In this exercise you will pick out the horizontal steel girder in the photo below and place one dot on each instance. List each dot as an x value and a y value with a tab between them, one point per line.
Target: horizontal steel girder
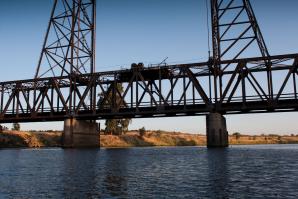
161	91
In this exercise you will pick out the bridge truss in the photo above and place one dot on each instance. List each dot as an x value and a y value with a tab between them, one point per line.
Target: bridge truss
67	86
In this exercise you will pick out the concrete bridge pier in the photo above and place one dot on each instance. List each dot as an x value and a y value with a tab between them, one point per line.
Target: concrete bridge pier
80	133
217	134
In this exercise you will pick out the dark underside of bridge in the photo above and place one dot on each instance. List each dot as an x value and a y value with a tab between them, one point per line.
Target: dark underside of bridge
157	112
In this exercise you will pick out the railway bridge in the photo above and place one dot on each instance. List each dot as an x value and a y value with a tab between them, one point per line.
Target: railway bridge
66	86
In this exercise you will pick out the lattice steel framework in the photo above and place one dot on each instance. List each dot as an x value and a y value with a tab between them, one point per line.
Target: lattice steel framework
69	46
232	85
236	34
235	30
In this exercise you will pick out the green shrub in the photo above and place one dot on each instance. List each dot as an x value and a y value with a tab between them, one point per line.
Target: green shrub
237	135
142	131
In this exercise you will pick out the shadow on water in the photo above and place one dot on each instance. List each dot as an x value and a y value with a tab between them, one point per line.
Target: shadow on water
95	173
115	175
80	175
218	172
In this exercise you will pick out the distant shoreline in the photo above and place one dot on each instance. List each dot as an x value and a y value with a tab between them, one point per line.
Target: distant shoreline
22	139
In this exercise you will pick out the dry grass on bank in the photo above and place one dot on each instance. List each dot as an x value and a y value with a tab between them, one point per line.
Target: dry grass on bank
262	139
152	138
133	139
29	139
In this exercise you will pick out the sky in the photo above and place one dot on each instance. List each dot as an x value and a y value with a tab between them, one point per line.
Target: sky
147	31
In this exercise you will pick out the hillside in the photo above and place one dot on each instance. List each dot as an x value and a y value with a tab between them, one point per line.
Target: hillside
152	138
29	139
14	139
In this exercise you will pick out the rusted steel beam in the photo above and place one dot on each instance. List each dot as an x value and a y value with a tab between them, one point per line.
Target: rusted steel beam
185	91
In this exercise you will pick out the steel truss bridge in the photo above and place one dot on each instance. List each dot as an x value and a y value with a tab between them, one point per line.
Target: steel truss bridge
230	82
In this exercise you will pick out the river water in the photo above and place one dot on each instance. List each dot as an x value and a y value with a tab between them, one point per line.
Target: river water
269	171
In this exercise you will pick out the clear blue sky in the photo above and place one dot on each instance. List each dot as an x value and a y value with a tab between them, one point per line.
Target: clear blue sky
147	31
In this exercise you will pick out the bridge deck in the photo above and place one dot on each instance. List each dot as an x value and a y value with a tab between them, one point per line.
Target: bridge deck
238	86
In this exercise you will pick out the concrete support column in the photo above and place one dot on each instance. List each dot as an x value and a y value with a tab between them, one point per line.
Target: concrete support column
217	134
80	133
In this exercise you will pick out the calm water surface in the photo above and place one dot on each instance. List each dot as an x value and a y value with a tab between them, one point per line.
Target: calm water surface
188	172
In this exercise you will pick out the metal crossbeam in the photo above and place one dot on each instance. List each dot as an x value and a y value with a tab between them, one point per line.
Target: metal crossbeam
187	92
66	84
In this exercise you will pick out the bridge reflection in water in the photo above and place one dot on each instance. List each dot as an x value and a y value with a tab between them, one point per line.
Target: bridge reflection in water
177	172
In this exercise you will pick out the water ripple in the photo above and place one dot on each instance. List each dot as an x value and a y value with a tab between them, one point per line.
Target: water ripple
269	171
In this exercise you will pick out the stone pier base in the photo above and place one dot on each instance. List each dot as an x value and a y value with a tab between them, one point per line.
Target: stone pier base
80	133
217	134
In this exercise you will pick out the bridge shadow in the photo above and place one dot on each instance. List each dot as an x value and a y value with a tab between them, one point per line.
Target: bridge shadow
218	172
80	173
115	178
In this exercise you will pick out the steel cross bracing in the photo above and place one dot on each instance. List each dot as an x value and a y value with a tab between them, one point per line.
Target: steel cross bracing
175	90
69	46
229	83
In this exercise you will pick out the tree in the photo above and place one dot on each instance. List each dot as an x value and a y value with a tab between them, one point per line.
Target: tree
114	126
254	137
117	126
16	127
142	131
237	135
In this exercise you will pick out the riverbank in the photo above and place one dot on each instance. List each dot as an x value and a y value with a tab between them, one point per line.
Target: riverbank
13	139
